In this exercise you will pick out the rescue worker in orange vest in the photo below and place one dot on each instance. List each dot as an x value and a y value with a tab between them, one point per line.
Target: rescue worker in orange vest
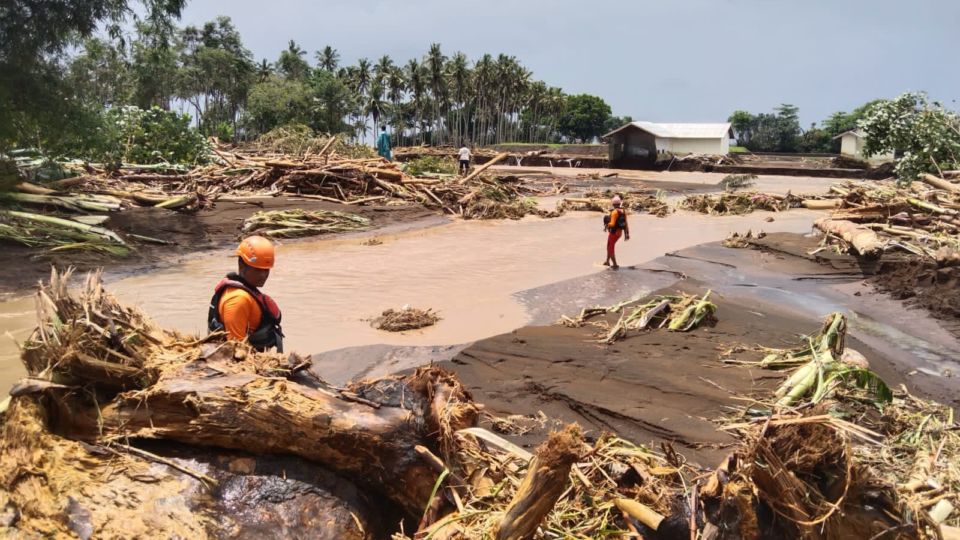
615	224
239	308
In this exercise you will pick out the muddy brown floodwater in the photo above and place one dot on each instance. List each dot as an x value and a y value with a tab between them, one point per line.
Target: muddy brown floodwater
469	271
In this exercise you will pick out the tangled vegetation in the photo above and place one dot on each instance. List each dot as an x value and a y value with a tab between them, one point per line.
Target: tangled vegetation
430	165
406	318
925	132
297	223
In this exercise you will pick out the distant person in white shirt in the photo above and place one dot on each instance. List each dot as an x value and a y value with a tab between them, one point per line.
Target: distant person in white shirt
464	156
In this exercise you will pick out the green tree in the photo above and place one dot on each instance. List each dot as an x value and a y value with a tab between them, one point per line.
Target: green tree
36	106
155	65
328	59
435	62
100	74
615	122
585	117
788	128
276	102
926	133
815	140
779	132
332	101
742	123
215	75
292	64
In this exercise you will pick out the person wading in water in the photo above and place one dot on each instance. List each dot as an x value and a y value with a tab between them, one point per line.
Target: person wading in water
615	225
239	308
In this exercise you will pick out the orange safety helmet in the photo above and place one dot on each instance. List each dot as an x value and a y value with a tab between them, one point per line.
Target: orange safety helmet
257	252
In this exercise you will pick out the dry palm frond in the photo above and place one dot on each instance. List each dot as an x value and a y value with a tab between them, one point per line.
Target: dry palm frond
297	223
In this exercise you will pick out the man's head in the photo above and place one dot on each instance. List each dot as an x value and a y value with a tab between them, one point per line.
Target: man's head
255	259
383	129
616	201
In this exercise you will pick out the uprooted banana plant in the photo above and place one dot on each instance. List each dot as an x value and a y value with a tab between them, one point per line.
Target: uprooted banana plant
823	363
678	313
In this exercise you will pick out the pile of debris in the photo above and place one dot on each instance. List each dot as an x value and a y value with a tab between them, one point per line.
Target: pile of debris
66	213
733	203
107	387
679	313
648	201
406	318
298	223
922	219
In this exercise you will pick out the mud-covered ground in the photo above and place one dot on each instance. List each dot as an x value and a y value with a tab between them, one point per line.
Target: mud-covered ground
657	386
925	286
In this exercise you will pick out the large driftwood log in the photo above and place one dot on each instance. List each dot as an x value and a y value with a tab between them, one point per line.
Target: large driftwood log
201	404
51	487
864	240
940	183
496	159
545	481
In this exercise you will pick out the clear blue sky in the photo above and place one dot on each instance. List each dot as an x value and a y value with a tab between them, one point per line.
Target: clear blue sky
658	60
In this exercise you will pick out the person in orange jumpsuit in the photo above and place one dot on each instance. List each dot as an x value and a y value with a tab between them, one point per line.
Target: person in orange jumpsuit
238	308
615	225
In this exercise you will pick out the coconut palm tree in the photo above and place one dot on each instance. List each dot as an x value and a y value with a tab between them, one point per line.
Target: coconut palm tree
264	70
291	62
435	63
458	71
375	106
483	91
328	59
382	69
417	85
396	86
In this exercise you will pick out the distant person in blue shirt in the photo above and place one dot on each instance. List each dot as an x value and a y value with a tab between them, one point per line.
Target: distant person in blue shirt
383	144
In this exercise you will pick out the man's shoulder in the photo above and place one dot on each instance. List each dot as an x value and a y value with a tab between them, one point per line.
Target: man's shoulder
236	295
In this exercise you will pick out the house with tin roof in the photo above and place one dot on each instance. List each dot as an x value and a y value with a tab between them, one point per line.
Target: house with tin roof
638	143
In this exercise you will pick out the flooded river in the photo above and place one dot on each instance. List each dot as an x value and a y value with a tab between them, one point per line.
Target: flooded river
468	271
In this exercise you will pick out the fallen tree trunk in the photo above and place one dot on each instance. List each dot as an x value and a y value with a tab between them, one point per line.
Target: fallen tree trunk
864	241
822	204
940	183
142	382
497	159
243	411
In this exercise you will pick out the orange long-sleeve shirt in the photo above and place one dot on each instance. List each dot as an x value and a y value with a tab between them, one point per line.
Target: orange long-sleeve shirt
240	313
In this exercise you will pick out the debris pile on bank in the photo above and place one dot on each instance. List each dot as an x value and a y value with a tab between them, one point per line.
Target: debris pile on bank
70	213
634	201
104	381
738	203
922	219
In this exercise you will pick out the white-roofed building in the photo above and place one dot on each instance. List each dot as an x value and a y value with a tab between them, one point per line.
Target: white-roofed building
637	143
851	144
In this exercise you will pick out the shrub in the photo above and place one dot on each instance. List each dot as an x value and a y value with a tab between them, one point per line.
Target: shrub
134	135
430	164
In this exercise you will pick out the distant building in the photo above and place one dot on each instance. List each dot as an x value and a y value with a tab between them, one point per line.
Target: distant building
851	144
637	143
